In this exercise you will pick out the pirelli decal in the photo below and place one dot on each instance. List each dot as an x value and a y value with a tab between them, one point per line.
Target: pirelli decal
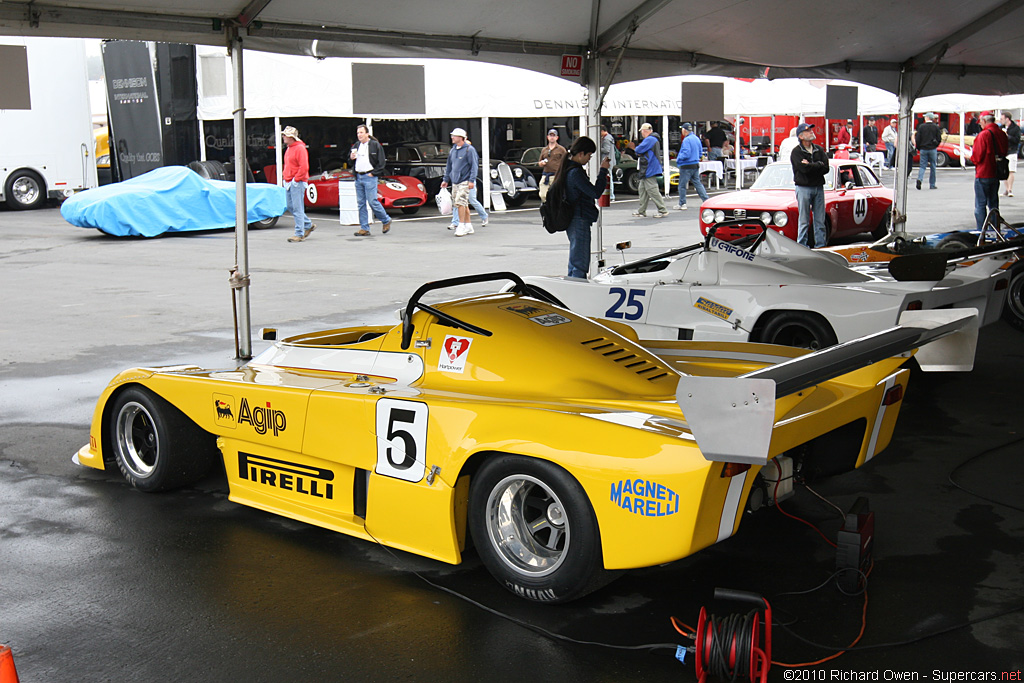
714	308
314	482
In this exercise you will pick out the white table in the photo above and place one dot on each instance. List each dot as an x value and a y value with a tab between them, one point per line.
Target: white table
730	164
713	167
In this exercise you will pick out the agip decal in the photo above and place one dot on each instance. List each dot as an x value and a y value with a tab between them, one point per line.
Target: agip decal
262	418
224	410
645	498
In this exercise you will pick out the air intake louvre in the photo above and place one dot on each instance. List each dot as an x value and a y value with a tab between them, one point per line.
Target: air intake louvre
611	350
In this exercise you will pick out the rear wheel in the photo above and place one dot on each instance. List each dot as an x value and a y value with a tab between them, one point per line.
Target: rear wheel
1013	310
155	445
25	190
632	181
535	530
802	330
941	159
958	241
882	229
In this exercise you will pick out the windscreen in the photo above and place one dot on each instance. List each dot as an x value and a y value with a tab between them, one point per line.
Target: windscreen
779	176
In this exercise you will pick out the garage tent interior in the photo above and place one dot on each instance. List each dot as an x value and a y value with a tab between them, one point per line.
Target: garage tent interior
906	48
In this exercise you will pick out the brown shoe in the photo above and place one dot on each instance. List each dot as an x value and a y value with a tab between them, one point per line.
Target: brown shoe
362	233
387	226
297	238
309	230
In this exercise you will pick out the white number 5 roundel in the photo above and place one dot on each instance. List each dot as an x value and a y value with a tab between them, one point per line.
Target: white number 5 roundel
401	439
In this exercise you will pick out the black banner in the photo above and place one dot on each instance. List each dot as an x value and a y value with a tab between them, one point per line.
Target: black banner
135	138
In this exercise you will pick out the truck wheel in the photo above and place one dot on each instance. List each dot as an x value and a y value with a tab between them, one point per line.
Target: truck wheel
25	190
1013	310
155	445
802	330
535	530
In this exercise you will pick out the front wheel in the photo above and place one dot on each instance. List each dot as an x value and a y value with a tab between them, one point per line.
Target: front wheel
264	224
802	330
517	200
1013	310
941	159
155	445
535	530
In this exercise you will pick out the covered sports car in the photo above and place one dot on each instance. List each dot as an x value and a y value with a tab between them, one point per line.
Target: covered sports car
777	291
170	199
855	202
564	447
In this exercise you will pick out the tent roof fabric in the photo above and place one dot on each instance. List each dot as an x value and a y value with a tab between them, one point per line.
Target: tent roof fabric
979	45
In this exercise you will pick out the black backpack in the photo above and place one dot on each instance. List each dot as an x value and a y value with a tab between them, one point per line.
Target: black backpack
556	211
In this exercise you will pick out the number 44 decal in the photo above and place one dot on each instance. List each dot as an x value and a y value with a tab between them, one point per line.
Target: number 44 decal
632	299
401	439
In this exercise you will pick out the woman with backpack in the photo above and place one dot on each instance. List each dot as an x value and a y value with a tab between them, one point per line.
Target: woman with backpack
572	182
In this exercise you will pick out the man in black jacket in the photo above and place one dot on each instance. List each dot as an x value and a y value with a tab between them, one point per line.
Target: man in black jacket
1013	137
870	136
810	165
927	139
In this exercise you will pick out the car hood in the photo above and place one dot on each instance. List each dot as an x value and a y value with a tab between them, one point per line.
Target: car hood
768	200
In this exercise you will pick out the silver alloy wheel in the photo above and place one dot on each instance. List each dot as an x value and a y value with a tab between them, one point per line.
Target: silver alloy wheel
137	439
527	525
26	190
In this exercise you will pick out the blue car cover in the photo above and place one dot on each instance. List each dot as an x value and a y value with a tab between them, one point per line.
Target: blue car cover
169	199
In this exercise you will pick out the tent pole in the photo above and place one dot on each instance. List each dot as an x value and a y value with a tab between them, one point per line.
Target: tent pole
240	275
202	140
906	122
485	150
963	151
592	130
664	153
278	152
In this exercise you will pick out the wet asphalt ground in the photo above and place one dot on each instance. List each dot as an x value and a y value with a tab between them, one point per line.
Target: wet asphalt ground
99	582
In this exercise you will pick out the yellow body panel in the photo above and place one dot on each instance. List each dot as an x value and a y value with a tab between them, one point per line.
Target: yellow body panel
307	432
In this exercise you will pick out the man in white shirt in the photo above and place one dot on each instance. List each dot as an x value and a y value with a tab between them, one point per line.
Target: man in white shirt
370	162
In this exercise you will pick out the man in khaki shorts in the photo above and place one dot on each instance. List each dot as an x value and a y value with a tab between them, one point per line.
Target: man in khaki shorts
460	172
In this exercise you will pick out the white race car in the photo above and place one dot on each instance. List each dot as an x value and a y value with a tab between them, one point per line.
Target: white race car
778	291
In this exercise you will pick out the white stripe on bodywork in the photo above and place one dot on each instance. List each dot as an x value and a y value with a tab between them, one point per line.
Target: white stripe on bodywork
404	368
724	355
889	382
731	509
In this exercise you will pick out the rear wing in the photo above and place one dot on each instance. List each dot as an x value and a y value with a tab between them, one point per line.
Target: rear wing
714	406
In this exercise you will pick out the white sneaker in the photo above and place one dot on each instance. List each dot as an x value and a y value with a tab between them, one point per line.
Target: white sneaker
680	207
453	226
463	230
484	224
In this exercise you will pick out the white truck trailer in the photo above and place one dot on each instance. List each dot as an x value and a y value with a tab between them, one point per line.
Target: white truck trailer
46	120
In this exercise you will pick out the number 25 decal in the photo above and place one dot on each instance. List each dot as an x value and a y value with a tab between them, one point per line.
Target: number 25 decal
401	438
634	306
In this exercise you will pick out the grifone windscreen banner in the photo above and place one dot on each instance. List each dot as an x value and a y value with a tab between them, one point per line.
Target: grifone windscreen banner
133	107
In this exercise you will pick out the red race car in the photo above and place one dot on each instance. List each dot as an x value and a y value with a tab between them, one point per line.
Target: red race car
855	203
394	192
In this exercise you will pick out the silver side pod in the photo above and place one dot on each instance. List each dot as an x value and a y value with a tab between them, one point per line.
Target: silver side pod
732	417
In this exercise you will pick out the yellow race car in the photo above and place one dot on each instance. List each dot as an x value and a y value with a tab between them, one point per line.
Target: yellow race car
565	448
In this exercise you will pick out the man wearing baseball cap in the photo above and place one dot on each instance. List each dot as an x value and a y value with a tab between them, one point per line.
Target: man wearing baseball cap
550	160
991	141
295	175
810	164
460	172
889	137
688	161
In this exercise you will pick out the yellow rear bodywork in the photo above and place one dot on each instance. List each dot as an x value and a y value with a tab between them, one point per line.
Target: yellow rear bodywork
371	440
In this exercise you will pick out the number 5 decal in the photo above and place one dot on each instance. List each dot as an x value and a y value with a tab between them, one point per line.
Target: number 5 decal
401	439
634	306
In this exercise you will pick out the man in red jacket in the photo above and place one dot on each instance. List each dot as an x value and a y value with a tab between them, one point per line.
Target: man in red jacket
296	173
987	144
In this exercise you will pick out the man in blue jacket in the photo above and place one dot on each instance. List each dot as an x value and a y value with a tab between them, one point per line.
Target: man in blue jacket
648	154
460	171
688	162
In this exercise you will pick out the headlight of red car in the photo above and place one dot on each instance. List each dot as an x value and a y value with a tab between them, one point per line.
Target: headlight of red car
707	215
781	218
420	187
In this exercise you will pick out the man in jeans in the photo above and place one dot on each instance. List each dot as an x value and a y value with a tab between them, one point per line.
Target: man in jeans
295	175
370	161
927	139
688	162
810	165
648	154
987	144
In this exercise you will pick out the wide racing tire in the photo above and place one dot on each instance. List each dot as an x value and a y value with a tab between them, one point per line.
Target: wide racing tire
155	445
798	329
958	241
535	530
1013	309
